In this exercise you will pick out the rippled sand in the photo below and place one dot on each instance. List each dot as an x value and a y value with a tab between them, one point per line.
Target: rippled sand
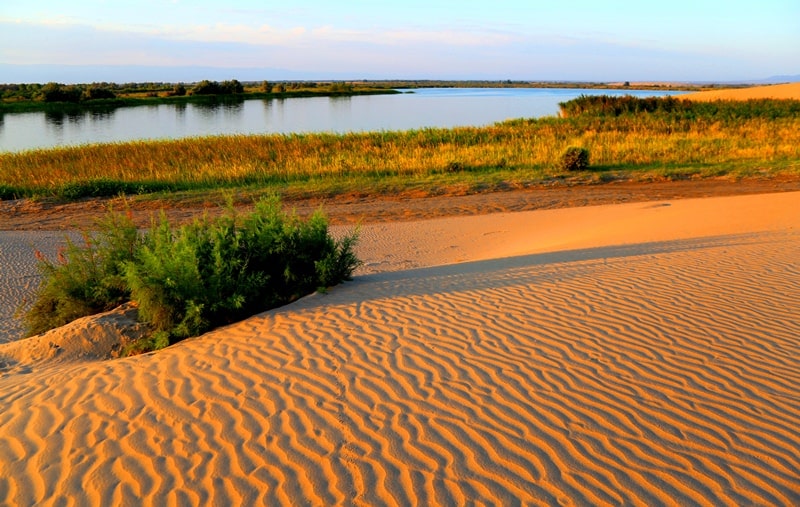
644	354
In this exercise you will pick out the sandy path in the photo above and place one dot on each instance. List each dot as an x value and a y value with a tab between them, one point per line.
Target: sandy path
639	354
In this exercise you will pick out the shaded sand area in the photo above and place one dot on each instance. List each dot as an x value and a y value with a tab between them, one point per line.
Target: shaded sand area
642	354
782	91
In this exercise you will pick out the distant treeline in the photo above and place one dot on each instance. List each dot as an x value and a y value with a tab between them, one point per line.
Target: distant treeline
57	92
77	93
58	96
605	105
509	83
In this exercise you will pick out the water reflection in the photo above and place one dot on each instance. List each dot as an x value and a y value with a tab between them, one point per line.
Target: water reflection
232	108
180	112
217	112
274	111
341	111
57	119
101	114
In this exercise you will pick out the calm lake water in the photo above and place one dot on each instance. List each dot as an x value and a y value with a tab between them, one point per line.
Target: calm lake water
429	107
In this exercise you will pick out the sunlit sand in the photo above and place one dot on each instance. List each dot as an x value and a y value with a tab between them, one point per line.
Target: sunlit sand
644	354
782	91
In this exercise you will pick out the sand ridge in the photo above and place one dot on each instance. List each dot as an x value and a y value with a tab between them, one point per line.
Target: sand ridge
642	354
780	91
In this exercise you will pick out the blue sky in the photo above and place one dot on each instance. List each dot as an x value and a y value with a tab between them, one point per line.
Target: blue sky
610	40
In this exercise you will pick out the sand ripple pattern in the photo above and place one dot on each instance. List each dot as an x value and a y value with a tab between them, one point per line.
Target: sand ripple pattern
657	374
19	275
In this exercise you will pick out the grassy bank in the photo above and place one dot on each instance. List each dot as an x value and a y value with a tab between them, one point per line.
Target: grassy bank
734	139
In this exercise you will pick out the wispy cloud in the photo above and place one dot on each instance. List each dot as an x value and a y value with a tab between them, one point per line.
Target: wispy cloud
269	35
450	49
229	33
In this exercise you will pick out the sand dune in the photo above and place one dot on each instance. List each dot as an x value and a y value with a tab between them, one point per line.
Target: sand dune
782	91
643	354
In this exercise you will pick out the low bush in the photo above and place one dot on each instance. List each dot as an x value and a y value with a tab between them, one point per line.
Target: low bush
98	92
86	279
575	159
206	87
56	92
7	192
196	277
101	187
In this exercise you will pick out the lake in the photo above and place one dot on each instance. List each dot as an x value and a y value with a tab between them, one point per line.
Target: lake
427	107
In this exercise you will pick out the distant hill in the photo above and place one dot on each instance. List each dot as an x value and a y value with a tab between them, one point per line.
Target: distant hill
780	79
765	81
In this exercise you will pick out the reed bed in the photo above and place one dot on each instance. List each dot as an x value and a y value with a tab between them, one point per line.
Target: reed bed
513	153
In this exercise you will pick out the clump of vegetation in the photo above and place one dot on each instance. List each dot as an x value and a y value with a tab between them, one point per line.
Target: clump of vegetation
206	87
97	92
107	187
87	278
676	108
7	192
606	105
178	90
190	279
575	159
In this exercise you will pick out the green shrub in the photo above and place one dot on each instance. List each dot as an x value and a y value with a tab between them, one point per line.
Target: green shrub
56	92
214	272
196	277
7	192
98	92
231	87
455	166
86	279
575	159
101	187
206	87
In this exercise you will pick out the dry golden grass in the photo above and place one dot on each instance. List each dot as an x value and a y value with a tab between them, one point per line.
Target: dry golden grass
514	153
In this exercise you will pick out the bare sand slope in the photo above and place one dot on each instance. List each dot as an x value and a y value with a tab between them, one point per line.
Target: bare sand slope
782	91
634	354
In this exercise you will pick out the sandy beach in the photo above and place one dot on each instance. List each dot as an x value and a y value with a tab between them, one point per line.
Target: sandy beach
643	354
